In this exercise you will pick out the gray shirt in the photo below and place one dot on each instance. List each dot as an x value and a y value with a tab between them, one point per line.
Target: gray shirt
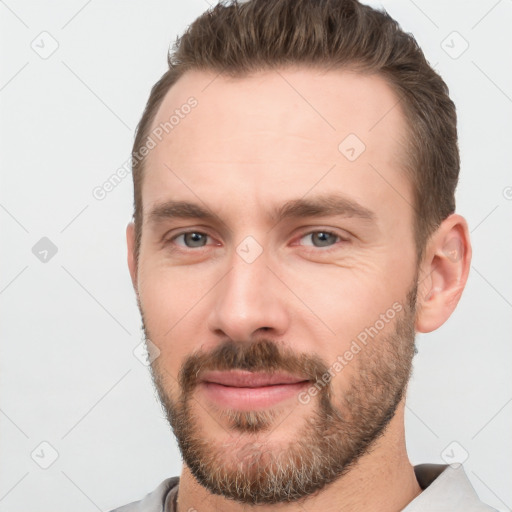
445	489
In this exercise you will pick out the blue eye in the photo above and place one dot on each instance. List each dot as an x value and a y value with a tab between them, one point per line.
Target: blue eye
193	239
318	239
321	238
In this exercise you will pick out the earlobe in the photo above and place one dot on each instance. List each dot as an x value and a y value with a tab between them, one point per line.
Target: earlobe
130	244
444	274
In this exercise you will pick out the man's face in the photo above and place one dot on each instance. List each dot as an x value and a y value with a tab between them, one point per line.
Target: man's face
285	317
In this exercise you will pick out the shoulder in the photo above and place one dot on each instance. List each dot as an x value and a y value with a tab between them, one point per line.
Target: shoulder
153	501
445	487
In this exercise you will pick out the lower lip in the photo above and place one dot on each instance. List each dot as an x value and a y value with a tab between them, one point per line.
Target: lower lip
249	399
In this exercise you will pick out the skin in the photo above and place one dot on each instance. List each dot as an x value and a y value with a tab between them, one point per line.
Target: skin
250	145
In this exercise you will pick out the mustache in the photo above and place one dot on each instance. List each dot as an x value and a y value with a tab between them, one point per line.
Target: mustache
260	356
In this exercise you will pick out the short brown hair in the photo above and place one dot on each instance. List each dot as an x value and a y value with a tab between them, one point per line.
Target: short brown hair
237	39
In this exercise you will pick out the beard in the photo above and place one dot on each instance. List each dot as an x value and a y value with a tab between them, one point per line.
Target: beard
332	438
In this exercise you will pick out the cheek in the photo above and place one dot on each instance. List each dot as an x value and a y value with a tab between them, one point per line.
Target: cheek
345	299
167	294
170	301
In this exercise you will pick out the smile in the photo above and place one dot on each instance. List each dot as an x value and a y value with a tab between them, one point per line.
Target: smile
247	391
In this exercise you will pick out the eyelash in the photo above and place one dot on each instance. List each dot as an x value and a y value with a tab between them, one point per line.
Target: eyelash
309	247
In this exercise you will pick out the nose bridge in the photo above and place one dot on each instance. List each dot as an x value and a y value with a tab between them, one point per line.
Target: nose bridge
246	299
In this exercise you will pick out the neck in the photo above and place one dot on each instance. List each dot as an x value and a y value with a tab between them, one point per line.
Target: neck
382	480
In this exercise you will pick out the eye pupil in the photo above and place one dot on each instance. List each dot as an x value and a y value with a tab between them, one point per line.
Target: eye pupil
323	238
194	239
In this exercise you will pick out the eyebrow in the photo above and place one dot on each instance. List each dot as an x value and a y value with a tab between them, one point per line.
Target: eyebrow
322	206
318	206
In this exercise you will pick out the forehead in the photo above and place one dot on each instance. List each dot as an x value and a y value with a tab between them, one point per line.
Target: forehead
278	130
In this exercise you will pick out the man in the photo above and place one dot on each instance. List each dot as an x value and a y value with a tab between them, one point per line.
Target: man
294	227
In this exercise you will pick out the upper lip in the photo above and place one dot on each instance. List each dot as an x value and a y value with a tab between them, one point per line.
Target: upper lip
246	379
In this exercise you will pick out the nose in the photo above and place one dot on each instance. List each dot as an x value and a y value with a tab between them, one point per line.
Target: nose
248	301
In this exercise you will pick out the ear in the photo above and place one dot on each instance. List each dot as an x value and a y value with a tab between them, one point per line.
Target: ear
130	243
444	272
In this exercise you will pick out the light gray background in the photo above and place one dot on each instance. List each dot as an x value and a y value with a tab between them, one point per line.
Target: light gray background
69	326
